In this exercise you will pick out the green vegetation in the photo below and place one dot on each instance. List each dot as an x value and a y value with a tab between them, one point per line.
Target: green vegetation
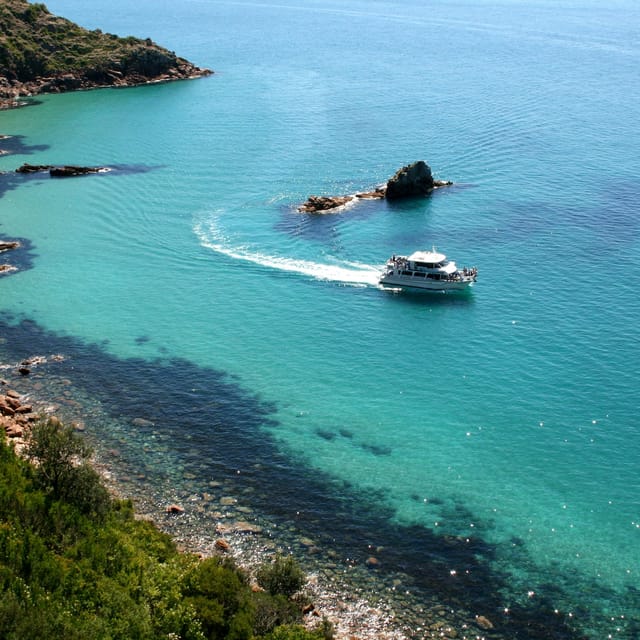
34	43
76	564
284	577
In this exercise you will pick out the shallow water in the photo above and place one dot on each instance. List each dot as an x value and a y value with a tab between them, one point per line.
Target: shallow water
250	334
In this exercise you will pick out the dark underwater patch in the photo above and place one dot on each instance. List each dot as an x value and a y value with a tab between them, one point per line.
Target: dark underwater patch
216	427
376	449
16	145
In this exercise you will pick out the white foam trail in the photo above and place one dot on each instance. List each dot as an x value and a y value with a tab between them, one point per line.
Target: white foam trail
355	273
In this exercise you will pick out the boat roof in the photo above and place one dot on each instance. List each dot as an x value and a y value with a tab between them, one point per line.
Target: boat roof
427	256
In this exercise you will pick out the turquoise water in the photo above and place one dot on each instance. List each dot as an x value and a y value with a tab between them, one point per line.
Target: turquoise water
508	415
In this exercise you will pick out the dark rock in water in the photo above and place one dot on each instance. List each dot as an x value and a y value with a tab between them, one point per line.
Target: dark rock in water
413	180
410	181
175	508
68	171
58	172
6	246
33	168
316	204
378	194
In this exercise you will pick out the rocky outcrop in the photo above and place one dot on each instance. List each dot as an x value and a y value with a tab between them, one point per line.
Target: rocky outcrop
410	181
70	170
58	171
318	204
7	245
413	180
315	204
16	416
33	168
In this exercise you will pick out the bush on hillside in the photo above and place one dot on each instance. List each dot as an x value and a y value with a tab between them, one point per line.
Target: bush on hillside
61	461
281	577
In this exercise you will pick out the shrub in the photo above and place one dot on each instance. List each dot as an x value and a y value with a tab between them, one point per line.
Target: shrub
294	632
61	459
273	611
282	577
217	591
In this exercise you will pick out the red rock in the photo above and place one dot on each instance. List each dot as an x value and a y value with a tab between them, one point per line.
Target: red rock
14	403
24	408
5	408
175	508
222	544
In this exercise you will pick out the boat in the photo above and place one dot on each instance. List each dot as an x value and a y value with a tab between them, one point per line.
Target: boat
427	270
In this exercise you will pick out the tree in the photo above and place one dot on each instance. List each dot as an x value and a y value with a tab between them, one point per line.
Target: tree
61	460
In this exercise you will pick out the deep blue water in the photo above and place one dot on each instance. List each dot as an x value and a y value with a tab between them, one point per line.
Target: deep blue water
507	417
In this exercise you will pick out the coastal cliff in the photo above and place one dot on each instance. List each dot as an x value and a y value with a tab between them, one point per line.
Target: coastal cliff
43	53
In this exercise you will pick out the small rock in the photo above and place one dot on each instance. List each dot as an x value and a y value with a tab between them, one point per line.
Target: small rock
222	544
484	622
142	422
24	408
227	501
175	508
246	527
14	431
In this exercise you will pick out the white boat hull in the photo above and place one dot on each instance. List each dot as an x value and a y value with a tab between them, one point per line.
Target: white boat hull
424	284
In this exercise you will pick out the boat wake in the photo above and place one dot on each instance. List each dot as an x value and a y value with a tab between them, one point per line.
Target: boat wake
351	273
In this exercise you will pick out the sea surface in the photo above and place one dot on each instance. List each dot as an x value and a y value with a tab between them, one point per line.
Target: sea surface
482	447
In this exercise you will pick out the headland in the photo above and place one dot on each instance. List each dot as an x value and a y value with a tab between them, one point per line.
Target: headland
42	53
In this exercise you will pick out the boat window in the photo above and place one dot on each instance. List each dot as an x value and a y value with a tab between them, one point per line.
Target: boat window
421	275
407	273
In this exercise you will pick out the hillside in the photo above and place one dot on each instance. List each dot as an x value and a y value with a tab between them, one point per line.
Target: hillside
43	53
75	563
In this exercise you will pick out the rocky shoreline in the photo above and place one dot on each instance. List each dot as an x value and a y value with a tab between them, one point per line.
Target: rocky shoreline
15	93
25	399
361	603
